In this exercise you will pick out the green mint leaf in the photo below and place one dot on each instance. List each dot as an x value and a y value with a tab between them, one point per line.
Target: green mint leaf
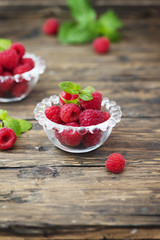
13	124
108	24
25	125
4	44
82	11
71	33
69	87
89	89
86	96
76	101
78	87
3	114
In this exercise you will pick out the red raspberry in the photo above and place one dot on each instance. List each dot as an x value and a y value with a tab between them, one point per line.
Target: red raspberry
22	69
20	88
70	112
59	137
28	61
106	115
71	138
51	26
115	163
91	139
90	117
1	70
1	92
95	103
7	84
9	59
7	138
53	114
101	45
20	49
66	96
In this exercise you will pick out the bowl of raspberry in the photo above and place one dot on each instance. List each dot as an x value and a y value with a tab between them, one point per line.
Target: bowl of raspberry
19	72
77	121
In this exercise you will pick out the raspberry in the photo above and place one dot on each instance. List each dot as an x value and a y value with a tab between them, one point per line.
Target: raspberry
90	117
7	84
1	92
1	70
66	96
106	115
95	103
28	61
70	112
22	69
20	88
71	138
91	139
53	114
9	59
101	45
20	49
115	163
51	26
7	138
59	137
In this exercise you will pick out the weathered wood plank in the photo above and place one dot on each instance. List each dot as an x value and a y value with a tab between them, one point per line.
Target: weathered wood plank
92	197
93	233
136	139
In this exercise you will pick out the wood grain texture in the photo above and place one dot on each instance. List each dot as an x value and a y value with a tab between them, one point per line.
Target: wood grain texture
57	195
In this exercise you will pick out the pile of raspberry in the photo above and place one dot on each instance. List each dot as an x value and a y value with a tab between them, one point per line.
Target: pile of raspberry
12	62
84	113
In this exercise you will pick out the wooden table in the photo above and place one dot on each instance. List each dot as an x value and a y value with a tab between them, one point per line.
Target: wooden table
46	193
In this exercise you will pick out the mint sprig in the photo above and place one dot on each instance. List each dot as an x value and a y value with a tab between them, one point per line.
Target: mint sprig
72	88
4	44
85	27
18	125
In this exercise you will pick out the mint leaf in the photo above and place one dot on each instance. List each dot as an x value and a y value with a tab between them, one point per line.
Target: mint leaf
4	44
24	124
86	96
82	11
108	24
70	32
3	114
13	124
70	87
89	89
70	101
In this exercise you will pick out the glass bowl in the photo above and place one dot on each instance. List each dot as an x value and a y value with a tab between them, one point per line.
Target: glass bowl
22	84
86	139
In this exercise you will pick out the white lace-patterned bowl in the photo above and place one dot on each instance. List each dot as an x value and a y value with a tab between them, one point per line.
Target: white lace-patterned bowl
92	137
22	84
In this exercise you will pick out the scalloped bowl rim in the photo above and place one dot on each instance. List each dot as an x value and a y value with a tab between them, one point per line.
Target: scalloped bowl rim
111	106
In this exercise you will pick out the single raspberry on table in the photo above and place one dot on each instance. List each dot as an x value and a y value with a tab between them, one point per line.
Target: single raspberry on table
92	139
95	103
90	117
20	48
106	115
8	83
51	26
29	61
70	112
101	45
70	137
53	114
20	88
9	59
22	68
66	96
7	138
115	163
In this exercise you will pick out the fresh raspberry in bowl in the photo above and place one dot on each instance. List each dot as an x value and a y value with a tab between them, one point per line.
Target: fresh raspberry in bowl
19	72
80	130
